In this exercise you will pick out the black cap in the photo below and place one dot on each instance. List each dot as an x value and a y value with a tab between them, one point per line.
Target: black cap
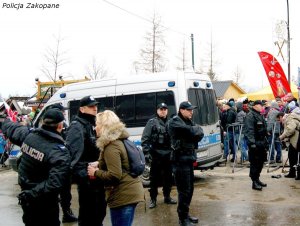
186	105
88	101
58	106
162	105
53	116
256	102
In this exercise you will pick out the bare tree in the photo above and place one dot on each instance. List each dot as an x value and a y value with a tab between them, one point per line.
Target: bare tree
152	55
237	75
55	58
96	71
211	62
183	59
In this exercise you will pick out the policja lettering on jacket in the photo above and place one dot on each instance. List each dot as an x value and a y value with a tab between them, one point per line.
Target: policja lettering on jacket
32	152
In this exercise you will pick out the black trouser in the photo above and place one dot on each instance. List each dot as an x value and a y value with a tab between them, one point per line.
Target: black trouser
66	196
160	173
293	158
256	159
92	204
41	211
184	178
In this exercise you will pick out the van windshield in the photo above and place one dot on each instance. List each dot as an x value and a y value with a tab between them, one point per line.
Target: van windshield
206	112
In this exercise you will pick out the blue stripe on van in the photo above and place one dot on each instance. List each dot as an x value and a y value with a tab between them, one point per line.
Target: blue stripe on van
209	140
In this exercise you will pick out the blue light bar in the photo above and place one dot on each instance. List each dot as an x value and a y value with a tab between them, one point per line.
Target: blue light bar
62	95
171	83
208	84
196	84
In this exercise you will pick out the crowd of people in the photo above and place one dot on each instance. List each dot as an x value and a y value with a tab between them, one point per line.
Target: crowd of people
259	129
91	154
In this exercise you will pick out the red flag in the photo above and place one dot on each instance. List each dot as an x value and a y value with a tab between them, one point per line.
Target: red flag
275	74
11	114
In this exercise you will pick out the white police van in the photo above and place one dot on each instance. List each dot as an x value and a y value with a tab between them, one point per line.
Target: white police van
134	100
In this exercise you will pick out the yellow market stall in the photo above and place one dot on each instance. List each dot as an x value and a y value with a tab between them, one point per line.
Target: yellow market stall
267	94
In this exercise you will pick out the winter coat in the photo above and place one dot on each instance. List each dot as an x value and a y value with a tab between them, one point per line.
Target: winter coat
155	139
81	141
291	129
185	135
121	188
271	119
45	162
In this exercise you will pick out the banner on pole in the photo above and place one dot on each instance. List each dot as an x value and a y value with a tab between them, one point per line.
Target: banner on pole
277	79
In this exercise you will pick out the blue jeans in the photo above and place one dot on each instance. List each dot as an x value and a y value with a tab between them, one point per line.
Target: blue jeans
229	143
122	216
276	146
243	146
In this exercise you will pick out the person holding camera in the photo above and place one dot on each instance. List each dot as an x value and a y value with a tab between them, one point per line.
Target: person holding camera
156	146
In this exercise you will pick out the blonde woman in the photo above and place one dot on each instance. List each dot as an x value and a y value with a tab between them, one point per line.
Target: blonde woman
123	192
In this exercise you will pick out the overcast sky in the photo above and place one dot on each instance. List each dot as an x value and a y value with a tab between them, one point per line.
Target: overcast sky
95	28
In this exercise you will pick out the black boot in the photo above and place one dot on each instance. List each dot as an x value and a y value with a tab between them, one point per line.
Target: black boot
152	203
291	174
169	200
256	186
261	183
68	216
185	222
194	220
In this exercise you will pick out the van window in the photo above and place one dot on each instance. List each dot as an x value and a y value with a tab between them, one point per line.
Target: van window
125	108
206	112
135	109
105	103
73	109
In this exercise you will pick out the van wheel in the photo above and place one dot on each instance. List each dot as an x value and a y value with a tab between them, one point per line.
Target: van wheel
145	177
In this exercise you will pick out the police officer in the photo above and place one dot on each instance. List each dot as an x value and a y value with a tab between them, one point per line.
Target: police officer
43	169
185	135
156	143
81	140
256	135
65	195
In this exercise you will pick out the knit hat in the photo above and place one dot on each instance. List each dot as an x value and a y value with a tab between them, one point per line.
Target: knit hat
274	104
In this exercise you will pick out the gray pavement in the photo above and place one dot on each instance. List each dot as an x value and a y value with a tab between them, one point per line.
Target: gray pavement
220	198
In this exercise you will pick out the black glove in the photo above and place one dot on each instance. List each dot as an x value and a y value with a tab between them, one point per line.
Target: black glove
25	197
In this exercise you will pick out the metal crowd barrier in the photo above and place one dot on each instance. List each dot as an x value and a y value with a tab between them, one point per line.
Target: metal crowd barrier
234	127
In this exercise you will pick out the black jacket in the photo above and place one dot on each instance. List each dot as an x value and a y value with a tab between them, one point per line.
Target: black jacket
185	135
255	130
228	117
155	139
45	161
81	141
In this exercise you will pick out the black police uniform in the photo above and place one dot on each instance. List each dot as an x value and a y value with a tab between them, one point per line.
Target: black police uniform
65	194
185	136
81	141
156	143
43	171
256	135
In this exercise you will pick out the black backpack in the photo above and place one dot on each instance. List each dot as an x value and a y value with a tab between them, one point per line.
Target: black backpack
136	158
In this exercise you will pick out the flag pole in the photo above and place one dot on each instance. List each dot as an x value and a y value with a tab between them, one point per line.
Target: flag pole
288	42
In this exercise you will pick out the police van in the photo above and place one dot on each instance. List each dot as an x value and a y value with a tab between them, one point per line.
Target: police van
134	99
